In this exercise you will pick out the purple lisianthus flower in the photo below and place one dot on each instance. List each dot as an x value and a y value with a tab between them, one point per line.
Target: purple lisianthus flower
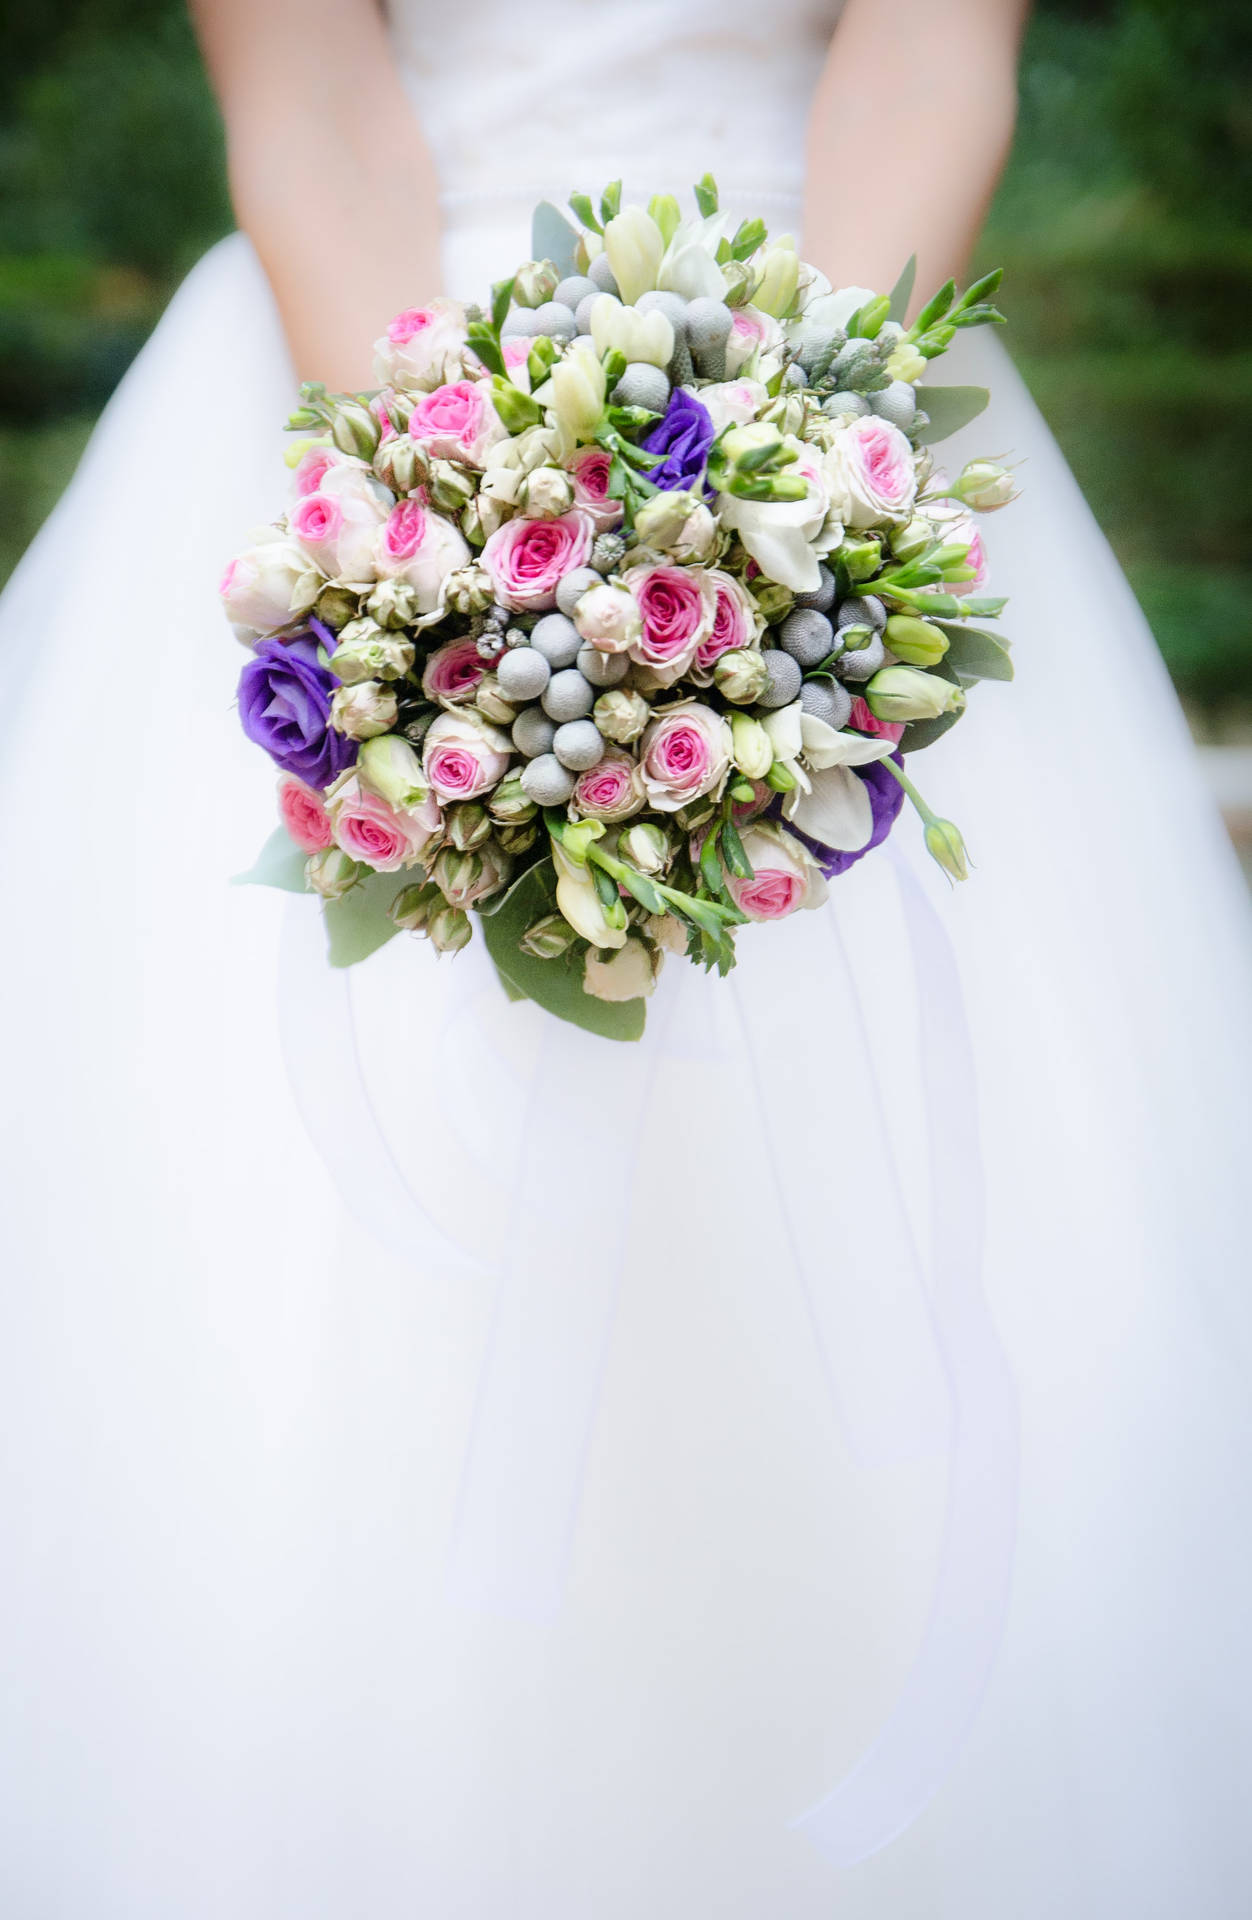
886	797
684	435
284	705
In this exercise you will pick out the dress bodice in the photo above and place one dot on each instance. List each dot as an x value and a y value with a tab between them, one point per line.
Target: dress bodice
560	94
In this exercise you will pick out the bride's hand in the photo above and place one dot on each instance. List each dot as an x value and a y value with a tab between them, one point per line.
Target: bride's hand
910	126
330	176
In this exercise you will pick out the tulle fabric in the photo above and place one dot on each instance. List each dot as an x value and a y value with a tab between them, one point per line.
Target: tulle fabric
453	1465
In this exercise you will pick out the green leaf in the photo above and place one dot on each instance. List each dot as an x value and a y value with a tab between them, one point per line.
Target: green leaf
510	991
611	201
280	864
485	344
582	206
553	238
924	733
710	865
357	925
706	195
555	985
733	854
501	296
902	292
949	409
975	653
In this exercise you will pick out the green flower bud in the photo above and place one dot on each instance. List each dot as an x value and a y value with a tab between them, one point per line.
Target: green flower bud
492	704
774	600
355	430
620	714
908	541
393	603
915	641
548	938
944	844
459	876
388	766
510	804
518	839
536	283
857	636
451	488
741	675
335	606
364	709
366	652
860	555
984	485
413	906
646	846
740	280
466	589
667	213
332	873
398	463
468	825
449	930
873	313
905	693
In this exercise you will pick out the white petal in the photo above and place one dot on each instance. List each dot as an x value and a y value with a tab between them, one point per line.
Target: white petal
837	811
693	272
823	747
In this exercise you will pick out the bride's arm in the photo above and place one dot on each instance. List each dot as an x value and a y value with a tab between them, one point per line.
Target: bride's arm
910	127
330	176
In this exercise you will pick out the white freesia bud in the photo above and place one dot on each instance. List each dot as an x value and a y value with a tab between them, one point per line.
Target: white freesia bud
909	693
780	271
545	494
753	749
629	974
645	336
390	767
578	900
363	710
578	393
634	244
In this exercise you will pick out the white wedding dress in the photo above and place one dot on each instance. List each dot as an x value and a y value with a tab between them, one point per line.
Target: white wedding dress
455	1467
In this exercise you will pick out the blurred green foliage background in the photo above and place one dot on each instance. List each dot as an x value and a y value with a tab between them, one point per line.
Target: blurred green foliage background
1122	223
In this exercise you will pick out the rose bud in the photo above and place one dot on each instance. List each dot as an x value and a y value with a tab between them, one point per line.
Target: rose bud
450	487
518	839
545	494
609	618
362	710
468	589
492	704
628	974
413	906
620	714
335	607
366	652
510	804
548	938
468	825
355	430
984	485
914	537
449	930
773	600
536	283
389	767
398	463
332	873
741	676
394	603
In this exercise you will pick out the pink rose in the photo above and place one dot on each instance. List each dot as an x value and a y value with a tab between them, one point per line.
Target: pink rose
736	623
685	753
337	524
590	469
314	465
750	329
871	472
863	721
419	546
677	606
458	422
423	347
368	829
304	814
611	790
732	403
527	559
453	672
464	757
785	876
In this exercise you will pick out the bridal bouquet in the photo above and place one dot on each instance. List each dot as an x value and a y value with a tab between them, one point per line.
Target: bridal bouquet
610	617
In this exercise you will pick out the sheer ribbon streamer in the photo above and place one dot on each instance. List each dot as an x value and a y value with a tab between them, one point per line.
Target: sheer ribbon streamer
555	1295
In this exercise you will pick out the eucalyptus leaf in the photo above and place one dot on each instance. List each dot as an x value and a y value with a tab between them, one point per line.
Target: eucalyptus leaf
975	653
553	239
902	292
357	925
555	985
280	864
949	409
923	733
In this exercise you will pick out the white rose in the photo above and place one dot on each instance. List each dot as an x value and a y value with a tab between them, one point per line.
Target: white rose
871	473
732	403
423	348
268	584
